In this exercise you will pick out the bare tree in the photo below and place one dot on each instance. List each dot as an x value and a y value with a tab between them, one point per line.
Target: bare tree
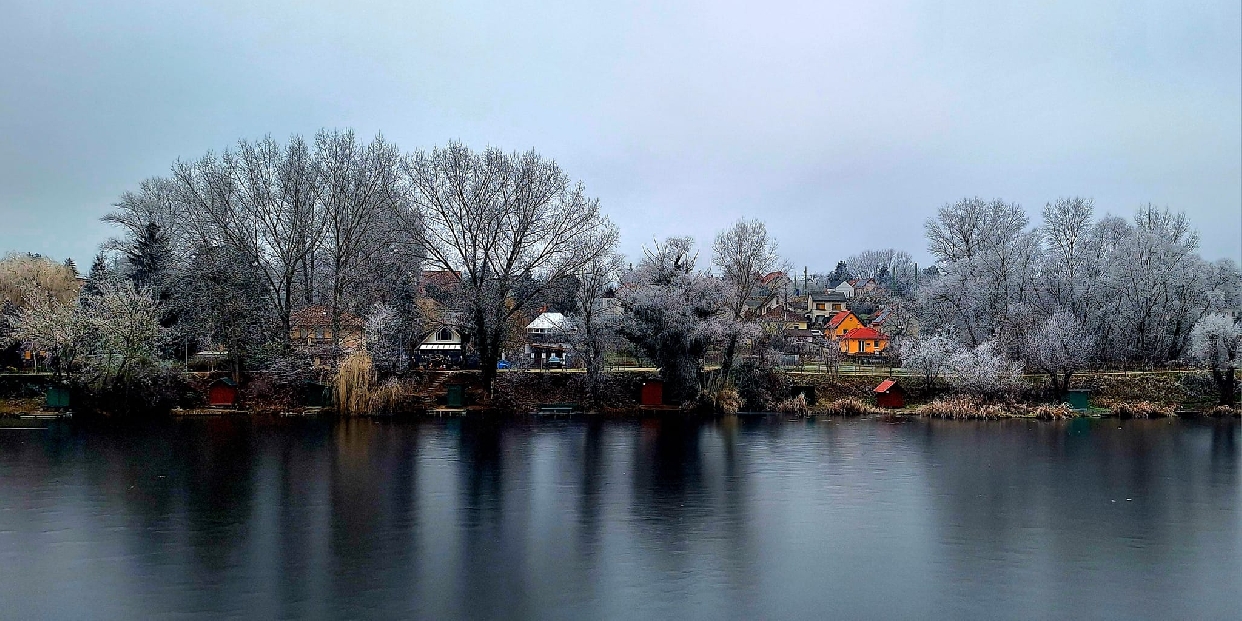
261	202
593	330
510	224
744	254
361	191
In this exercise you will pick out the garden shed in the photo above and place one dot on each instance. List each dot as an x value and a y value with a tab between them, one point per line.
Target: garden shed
652	393
889	394
222	393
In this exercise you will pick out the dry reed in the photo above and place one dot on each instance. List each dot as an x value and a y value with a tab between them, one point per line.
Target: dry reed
354	382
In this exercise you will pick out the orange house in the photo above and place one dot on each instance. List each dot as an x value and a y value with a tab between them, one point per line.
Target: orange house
863	341
842	323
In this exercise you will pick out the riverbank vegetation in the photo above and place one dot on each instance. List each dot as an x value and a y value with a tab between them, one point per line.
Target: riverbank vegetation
338	264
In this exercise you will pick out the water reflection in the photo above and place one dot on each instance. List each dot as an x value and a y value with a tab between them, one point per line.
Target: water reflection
736	518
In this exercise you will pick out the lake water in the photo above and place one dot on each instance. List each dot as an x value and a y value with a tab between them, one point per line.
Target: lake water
752	518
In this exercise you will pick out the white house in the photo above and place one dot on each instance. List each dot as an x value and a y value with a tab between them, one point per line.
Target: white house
545	339
845	288
546	324
444	343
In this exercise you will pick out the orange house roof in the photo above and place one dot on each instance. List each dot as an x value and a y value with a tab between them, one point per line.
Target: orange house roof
885	385
839	317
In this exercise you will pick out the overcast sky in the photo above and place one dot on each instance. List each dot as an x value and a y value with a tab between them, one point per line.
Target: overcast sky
842	125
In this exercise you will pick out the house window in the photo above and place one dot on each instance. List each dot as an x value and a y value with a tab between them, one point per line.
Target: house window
445	335
819	306
836	307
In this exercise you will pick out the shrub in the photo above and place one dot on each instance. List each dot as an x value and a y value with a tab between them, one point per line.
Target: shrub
1141	409
142	388
725	400
794	405
848	406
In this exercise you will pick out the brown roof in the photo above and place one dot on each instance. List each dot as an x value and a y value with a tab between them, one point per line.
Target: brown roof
441	278
321	316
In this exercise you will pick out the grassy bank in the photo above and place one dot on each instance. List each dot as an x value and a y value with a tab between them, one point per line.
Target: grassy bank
1127	395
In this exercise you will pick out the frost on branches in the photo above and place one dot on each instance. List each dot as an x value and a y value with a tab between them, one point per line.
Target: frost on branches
1214	342
672	313
1061	346
984	371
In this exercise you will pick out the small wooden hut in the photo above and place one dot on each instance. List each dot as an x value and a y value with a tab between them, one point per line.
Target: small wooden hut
889	394
222	393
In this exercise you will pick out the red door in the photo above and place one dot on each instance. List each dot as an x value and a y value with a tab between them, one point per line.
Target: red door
652	393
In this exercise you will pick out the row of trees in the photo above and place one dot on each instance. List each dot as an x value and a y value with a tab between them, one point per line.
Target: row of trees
227	247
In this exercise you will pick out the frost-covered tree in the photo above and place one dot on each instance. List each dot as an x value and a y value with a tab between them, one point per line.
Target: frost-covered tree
987	260
673	313
512	225
1069	269
361	192
1154	287
1215	342
21	274
1058	348
592	331
52	324
892	269
125	325
743	253
930	356
984	371
384	337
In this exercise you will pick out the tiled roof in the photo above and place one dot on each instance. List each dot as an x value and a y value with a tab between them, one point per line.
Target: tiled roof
314	316
864	333
838	318
770	277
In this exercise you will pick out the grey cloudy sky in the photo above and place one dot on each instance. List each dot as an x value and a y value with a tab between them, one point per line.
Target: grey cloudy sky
843	125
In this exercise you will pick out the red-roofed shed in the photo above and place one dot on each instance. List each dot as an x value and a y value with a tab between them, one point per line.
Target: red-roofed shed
889	394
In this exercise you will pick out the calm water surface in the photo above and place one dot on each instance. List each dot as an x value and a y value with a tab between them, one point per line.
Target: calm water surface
731	519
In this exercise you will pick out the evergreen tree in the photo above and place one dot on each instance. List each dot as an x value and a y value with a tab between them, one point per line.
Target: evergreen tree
148	256
98	275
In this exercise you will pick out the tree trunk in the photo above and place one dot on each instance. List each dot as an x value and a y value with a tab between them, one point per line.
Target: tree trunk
1226	385
681	379
726	364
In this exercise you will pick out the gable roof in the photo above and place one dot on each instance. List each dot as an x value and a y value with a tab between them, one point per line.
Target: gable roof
770	277
830	296
840	317
316	316
779	314
440	278
864	333
881	317
547	321
886	385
